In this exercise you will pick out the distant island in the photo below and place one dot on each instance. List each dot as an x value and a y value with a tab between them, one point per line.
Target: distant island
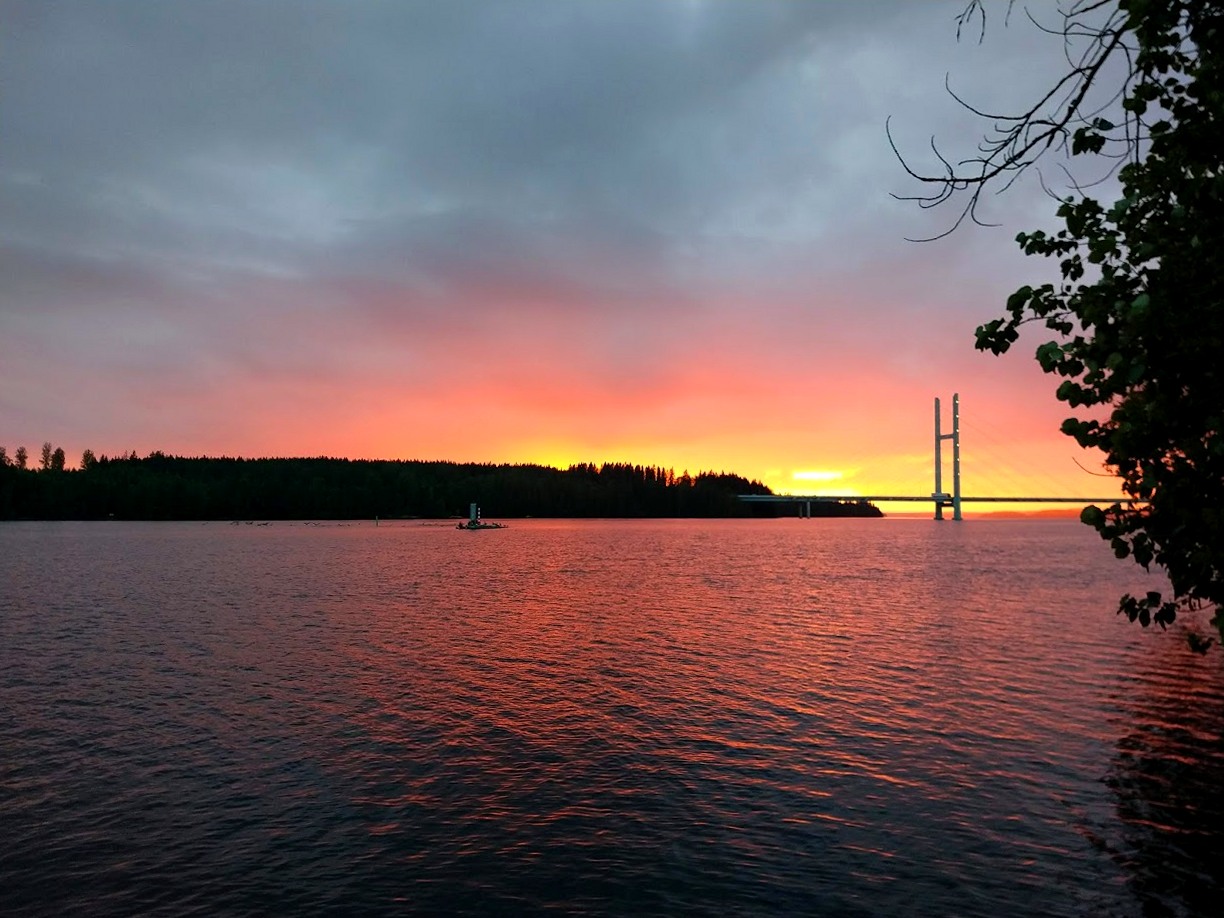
163	487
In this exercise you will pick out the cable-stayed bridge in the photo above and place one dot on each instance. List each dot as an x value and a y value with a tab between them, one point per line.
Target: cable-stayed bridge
939	497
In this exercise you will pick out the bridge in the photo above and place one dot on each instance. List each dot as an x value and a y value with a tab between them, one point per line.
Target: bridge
939	497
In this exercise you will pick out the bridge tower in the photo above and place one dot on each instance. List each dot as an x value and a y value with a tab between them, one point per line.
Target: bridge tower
943	499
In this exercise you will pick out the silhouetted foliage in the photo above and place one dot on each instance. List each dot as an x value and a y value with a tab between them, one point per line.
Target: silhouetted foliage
161	487
1138	315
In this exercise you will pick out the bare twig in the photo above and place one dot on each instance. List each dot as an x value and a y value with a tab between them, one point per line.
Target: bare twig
1015	142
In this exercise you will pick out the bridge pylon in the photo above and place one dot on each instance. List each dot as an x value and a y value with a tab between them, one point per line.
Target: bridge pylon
939	496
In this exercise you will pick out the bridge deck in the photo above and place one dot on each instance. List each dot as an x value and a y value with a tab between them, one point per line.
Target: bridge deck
930	498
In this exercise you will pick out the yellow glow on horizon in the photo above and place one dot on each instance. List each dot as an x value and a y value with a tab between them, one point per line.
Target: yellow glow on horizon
816	475
820	481
823	492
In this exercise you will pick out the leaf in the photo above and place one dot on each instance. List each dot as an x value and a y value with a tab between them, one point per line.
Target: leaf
1198	644
1093	516
1085	140
1049	355
1017	301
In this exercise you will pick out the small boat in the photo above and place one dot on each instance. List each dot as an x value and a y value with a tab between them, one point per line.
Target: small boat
475	522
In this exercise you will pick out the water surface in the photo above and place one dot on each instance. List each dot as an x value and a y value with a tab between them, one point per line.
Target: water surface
842	717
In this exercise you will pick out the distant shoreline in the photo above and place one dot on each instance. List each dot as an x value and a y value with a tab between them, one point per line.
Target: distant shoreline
162	487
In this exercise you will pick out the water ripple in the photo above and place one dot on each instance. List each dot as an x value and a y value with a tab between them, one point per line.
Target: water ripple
841	717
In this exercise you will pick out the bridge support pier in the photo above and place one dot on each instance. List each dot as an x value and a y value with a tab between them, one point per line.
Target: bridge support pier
939	496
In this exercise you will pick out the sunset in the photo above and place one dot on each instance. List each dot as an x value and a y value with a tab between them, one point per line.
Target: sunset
611	458
657	233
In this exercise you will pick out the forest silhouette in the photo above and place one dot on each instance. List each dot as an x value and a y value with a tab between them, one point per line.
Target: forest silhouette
162	487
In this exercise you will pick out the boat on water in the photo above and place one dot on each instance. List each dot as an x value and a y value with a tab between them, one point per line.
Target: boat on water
475	522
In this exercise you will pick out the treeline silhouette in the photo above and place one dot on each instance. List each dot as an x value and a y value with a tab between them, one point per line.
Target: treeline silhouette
161	487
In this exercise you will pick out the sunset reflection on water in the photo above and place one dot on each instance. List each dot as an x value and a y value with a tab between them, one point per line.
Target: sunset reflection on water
613	716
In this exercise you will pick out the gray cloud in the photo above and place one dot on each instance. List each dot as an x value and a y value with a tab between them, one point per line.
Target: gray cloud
250	125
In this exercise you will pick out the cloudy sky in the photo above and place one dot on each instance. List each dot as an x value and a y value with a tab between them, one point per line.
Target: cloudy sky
656	231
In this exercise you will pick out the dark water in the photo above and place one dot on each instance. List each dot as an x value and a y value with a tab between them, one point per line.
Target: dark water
825	717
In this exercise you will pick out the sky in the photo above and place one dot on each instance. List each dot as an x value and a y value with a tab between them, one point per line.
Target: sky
551	231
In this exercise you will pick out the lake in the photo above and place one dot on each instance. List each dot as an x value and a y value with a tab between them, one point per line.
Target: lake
821	717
